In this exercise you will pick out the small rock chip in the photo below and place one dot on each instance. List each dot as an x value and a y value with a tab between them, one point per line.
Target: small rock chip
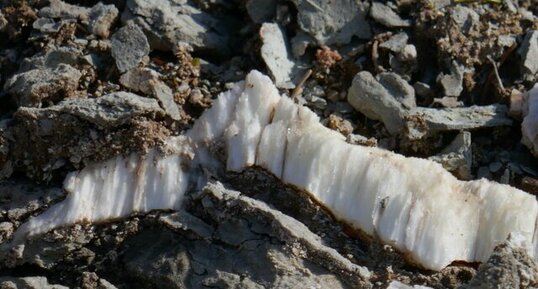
129	46
261	10
60	9
37	282
452	83
165	96
33	87
101	19
333	22
275	54
509	266
384	15
528	51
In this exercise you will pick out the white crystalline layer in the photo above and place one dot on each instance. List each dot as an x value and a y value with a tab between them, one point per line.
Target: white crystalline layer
413	204
114	189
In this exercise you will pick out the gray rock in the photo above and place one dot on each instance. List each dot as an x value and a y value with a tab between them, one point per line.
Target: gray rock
147	81
400	285
3	22
275	53
253	246
333	22
509	266
528	51
466	18
101	18
261	10
300	42
107	111
28	283
452	83
168	22
165	96
33	87
457	156
60	9
396	43
48	25
384	15
423	90
139	79
459	118
368	96
399	88
403	56
51	59
129	46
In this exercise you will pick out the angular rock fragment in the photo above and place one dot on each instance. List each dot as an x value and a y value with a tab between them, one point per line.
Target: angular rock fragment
168	22
333	22
528	51
279	242
510	266
452	83
60	9
28	283
412	204
275	53
77	131
376	100
147	81
129	46
529	126
110	110
466	18
36	87
457	156
383	14
261	11
3	22
400	285
165	95
101	18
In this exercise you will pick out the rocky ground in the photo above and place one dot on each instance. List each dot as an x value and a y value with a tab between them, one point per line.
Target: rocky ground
82	81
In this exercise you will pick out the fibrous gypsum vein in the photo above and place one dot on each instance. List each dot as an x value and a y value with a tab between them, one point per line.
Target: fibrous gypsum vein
411	203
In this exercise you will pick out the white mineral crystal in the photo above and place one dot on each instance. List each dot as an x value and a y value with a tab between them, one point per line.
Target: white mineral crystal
413	204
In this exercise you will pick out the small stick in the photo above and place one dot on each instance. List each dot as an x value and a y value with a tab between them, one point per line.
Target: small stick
299	88
496	72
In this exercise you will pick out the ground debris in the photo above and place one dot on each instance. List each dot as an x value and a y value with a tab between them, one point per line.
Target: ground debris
374	99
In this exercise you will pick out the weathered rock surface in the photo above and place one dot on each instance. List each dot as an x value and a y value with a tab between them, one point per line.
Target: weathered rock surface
76	131
333	22
375	100
129	46
383	14
38	86
147	81
167	23
528	50
101	18
457	157
28	283
510	266
60	9
452	83
529	126
275	53
259	248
